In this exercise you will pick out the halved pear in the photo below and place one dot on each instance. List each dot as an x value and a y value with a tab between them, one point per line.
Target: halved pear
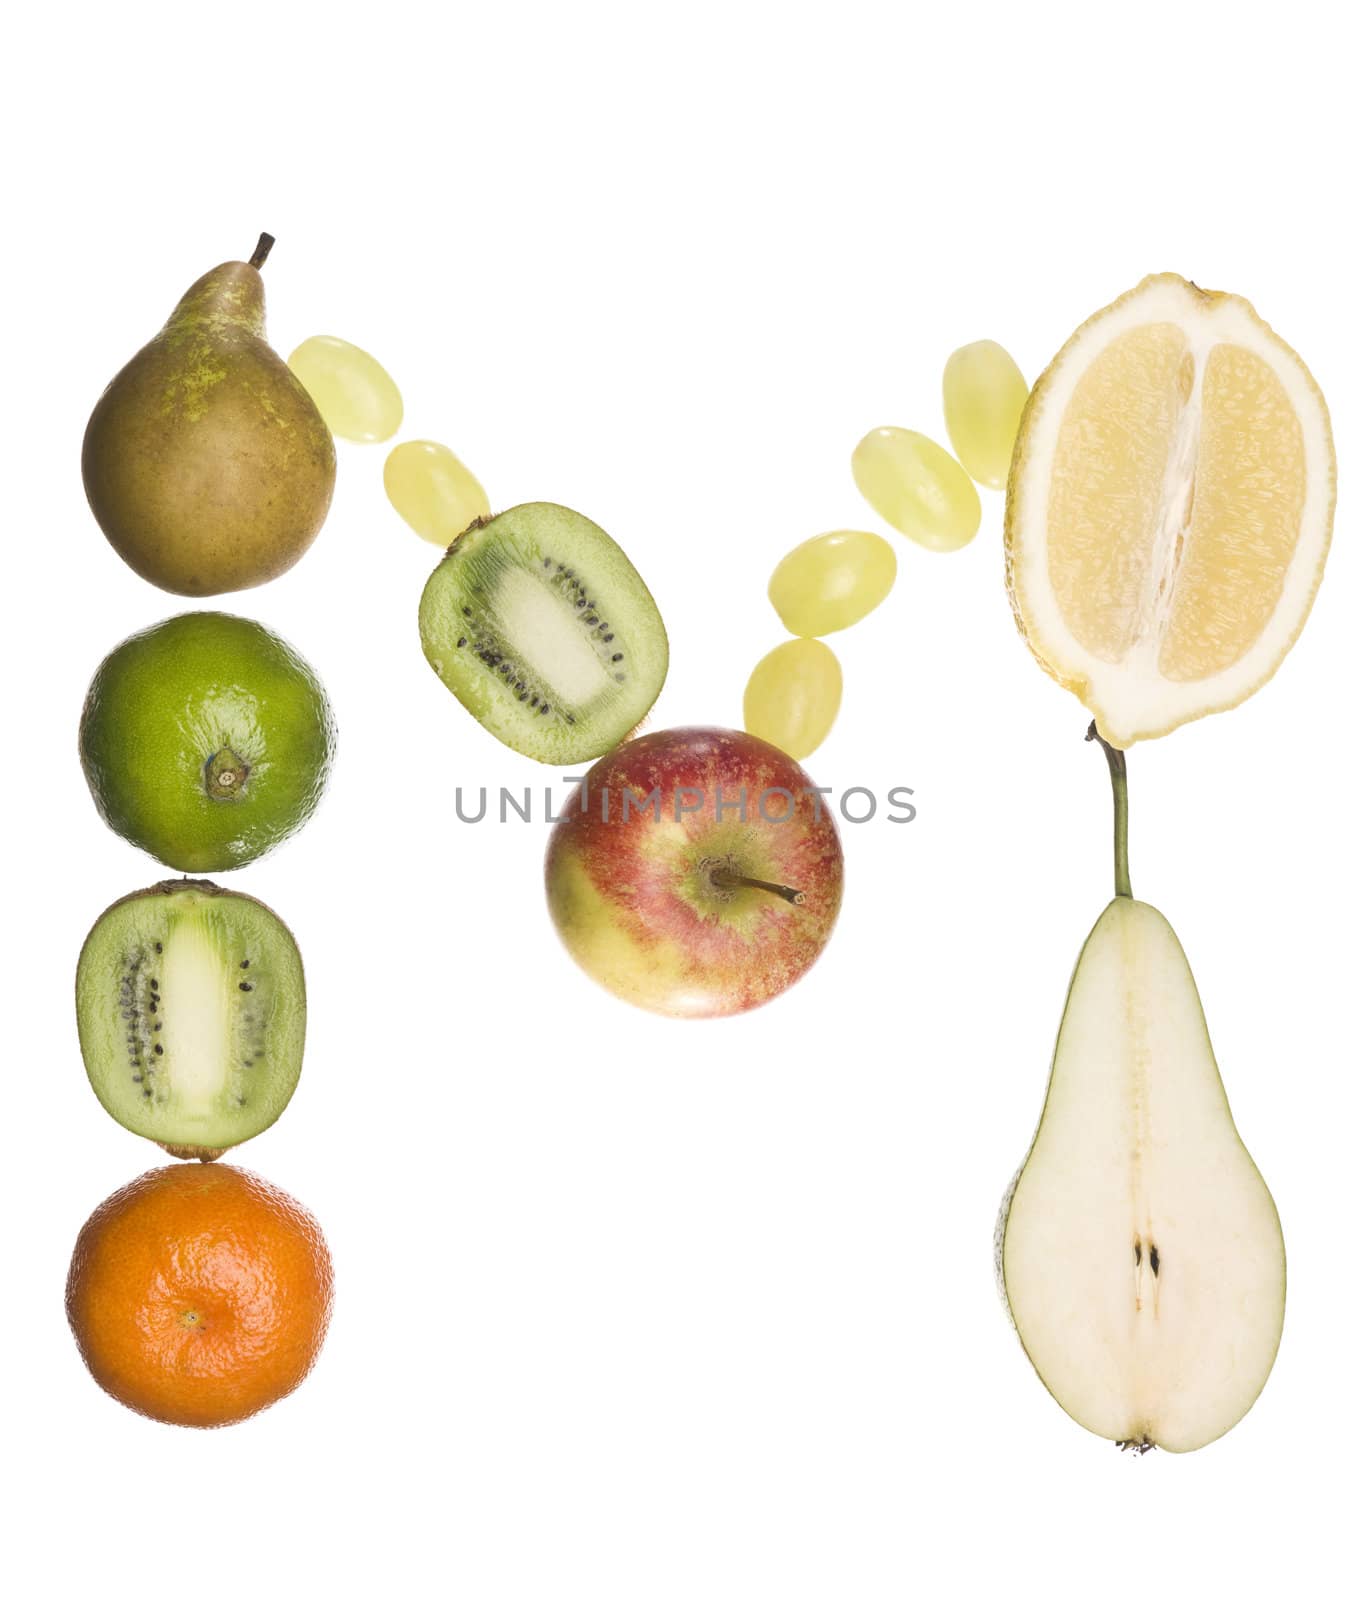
1139	1249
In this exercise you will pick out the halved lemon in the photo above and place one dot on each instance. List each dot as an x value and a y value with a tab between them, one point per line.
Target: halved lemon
1169	508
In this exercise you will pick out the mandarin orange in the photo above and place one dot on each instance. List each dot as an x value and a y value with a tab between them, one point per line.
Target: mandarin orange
199	1295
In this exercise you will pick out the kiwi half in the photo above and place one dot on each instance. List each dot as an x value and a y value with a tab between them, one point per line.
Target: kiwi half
537	623
190	1006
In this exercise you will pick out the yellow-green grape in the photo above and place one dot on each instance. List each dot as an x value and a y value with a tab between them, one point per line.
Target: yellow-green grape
432	490
982	398
832	581
357	398
917	487
792	697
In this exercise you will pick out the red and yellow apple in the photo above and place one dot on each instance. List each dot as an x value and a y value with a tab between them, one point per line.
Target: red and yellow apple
695	872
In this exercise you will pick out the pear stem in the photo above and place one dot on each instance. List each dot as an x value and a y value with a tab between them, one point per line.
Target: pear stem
264	245
1117	771
723	878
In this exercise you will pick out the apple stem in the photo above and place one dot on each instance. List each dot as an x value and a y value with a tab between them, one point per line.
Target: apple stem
723	878
264	245
1117	771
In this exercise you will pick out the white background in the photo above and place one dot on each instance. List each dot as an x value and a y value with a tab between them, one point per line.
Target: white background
629	1307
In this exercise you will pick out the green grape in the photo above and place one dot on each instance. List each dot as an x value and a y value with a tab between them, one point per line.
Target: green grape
832	581
917	487
357	398
432	490
982	398
792	698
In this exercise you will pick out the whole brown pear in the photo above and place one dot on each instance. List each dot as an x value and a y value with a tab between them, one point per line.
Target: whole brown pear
206	462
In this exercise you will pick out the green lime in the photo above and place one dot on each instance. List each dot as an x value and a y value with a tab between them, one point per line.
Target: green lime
206	740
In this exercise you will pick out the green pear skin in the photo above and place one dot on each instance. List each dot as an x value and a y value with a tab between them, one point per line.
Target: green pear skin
205	461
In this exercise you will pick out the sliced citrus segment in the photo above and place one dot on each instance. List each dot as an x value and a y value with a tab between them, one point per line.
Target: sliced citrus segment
1169	508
